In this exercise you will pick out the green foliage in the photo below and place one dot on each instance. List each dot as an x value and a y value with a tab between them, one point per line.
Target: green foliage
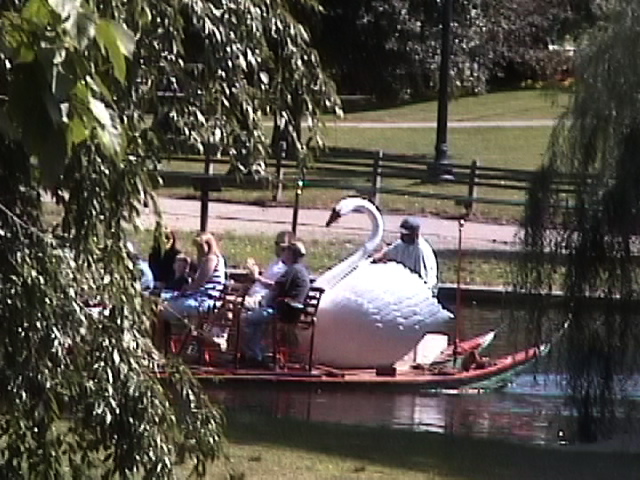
391	49
239	61
524	39
596	142
81	397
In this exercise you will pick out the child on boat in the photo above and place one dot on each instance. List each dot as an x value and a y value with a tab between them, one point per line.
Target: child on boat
162	258
180	274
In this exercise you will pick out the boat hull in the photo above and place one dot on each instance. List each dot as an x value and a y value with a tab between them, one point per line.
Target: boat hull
494	376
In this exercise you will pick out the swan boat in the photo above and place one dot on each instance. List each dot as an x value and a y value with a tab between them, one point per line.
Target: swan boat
369	321
372	314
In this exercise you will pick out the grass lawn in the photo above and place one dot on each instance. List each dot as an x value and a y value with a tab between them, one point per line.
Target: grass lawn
518	148
478	268
294	449
521	148
512	105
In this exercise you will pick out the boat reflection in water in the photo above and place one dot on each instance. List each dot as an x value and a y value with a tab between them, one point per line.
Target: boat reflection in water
516	414
531	411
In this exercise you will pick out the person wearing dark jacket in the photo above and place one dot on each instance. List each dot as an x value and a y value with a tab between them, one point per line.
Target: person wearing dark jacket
293	284
161	261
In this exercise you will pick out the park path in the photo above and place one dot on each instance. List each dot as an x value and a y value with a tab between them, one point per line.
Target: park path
182	214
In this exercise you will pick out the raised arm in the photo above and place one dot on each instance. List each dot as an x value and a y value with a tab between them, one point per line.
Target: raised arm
205	269
254	271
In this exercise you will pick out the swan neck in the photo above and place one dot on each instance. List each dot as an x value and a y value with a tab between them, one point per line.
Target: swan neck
375	237
338	273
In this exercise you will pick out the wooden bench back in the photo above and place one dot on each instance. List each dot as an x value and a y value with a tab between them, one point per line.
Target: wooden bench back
311	303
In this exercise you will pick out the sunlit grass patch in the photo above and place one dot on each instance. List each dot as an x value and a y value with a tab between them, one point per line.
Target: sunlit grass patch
261	447
511	105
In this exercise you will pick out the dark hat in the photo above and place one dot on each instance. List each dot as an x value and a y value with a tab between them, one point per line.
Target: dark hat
410	225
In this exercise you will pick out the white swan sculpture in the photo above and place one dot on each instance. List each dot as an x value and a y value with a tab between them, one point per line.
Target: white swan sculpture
371	314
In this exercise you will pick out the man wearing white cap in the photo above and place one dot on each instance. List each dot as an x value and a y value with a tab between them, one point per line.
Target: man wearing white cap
413	251
265	280
293	284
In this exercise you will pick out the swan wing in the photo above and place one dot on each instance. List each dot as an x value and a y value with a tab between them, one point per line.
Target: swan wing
375	316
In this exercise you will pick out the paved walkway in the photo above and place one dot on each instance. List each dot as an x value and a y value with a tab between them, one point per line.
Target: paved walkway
182	214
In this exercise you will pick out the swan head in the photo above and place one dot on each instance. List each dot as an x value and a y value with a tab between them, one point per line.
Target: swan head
349	205
333	217
356	204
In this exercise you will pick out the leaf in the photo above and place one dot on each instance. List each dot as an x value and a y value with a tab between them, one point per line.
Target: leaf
25	55
76	133
97	85
37	117
118	43
85	29
37	11
67	9
52	155
109	133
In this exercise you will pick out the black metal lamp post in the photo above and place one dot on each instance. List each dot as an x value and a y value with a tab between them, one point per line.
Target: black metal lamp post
442	169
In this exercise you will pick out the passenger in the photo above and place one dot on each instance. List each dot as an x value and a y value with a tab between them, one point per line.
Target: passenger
412	251
162	258
264	281
201	294
293	284
181	276
142	266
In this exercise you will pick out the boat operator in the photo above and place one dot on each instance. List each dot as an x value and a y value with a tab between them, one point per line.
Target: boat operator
412	251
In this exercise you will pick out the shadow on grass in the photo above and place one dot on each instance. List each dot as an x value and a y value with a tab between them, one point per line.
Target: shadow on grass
445	455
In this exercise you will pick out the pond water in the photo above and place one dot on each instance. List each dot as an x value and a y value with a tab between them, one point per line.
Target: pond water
532	410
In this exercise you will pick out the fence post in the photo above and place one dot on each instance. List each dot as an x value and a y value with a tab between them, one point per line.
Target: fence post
471	193
204	194
376	179
281	155
296	207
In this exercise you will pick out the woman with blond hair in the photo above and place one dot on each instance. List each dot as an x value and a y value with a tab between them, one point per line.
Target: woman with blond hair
201	294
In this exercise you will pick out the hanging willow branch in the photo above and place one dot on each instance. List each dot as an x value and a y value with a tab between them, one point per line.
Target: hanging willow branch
590	244
80	393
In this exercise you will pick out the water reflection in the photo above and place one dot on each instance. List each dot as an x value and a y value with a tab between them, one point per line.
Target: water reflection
519	417
531	410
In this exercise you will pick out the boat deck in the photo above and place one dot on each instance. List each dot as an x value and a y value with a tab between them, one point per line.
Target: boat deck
428	378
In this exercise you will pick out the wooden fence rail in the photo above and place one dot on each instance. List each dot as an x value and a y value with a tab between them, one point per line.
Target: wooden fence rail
373	173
